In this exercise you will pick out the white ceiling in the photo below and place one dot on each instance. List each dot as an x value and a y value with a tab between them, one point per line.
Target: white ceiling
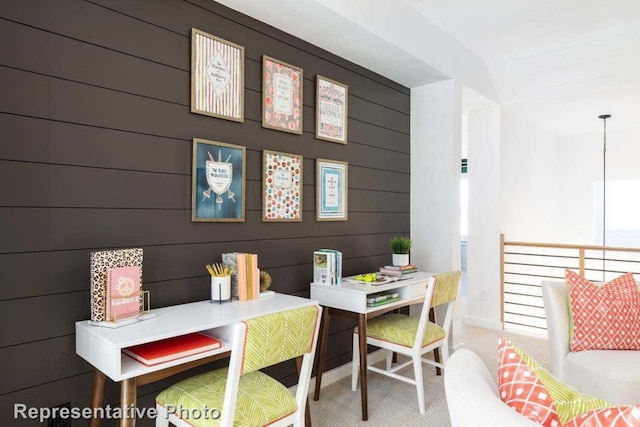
557	63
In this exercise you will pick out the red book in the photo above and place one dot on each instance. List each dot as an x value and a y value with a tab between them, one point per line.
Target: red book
172	348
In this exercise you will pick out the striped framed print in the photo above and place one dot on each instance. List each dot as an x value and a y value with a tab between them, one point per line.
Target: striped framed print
217	77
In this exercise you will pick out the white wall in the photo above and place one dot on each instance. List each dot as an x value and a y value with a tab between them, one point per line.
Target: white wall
530	181
483	246
580	158
548	180
436	116
435	176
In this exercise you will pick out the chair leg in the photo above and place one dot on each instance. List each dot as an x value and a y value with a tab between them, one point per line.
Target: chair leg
162	417
417	368
389	359
445	353
355	363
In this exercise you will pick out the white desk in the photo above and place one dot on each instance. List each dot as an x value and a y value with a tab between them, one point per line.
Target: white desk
102	347
349	299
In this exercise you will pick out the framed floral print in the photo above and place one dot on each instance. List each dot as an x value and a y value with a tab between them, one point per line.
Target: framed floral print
281	96
331	190
217	77
331	110
218	182
281	187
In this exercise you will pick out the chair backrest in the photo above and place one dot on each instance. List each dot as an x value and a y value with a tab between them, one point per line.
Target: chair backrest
277	337
555	297
442	289
270	339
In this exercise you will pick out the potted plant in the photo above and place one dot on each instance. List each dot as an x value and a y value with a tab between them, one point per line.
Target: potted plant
220	282
400	247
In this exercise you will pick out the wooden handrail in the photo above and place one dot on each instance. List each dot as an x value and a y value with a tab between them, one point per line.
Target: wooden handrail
565	246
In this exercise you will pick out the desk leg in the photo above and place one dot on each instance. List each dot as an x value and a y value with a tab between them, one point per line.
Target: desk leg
97	395
436	352
324	333
362	334
307	411
128	396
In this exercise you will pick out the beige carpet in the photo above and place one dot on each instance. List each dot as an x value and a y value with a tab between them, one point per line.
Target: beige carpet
395	403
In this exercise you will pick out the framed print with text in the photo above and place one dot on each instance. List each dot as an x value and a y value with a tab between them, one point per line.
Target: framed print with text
331	190
331	110
281	96
217	77
281	187
218	182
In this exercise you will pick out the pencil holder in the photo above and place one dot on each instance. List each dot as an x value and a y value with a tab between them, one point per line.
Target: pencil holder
220	288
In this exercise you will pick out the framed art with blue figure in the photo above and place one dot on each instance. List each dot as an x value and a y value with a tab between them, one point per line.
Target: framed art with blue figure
218	182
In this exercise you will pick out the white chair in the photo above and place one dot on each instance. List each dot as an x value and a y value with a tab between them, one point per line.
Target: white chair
241	392
472	395
412	336
612	375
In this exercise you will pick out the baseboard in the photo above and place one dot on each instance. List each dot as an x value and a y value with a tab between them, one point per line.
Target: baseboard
483	323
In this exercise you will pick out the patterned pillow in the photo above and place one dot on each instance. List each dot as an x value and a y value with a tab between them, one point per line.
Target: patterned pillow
604	317
533	392
622	416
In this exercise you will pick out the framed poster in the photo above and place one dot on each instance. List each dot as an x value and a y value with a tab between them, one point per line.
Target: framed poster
217	77
218	181
331	110
331	190
281	96
281	187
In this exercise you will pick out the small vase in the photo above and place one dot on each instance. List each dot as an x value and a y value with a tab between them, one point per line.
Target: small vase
220	288
400	260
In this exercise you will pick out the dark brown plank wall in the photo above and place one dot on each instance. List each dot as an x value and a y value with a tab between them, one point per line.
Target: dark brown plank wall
96	153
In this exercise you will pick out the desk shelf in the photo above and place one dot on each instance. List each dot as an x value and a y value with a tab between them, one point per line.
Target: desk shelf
130	368
352	296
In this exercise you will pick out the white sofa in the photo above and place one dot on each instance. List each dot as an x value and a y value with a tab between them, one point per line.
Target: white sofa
472	395
612	375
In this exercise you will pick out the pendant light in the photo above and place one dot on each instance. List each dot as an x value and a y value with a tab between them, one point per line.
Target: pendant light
604	118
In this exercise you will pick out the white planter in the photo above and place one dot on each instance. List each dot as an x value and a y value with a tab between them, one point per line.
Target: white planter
400	260
220	288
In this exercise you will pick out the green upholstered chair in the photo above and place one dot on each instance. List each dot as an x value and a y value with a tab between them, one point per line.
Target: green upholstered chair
244	395
412	336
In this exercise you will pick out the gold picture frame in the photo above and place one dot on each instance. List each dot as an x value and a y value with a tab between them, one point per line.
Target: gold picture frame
332	110
217	77
332	190
218	182
281	187
282	100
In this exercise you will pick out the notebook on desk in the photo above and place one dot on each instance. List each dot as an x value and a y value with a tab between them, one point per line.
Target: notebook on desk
172	348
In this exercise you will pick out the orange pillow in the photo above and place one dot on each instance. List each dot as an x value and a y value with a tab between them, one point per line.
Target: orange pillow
604	317
618	416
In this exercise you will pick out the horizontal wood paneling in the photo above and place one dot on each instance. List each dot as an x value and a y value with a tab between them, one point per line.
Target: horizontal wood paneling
34	229
98	136
59	271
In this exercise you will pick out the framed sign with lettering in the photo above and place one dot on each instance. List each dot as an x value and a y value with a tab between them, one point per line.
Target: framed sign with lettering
217	182
331	110
217	77
281	187
331	190
281	96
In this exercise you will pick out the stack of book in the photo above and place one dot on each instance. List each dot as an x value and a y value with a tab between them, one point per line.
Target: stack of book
172	348
382	298
327	266
392	270
245	280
